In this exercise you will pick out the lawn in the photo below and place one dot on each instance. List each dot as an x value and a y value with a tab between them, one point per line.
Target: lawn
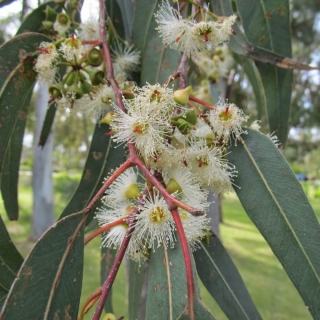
269	286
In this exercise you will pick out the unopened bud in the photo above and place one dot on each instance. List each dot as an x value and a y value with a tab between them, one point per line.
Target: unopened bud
94	57
107	118
173	186
191	116
132	191
50	13
109	316
183	126
182	96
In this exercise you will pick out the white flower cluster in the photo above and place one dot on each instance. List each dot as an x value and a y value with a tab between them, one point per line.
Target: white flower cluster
153	224
83	88
189	36
188	152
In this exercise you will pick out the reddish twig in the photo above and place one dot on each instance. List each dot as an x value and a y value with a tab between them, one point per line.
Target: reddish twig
104	228
106	287
109	181
171	201
187	260
90	301
204	103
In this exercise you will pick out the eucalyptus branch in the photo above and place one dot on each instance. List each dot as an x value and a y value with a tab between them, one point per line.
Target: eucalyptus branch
106	287
171	201
187	260
90	301
202	102
105	228
127	164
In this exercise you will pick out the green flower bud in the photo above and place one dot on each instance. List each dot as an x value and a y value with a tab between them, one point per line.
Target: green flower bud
96	77
182	96
94	57
63	19
107	118
76	90
56	90
50	13
173	186
191	116
183	125
73	42
47	24
85	87
71	78
132	191
109	316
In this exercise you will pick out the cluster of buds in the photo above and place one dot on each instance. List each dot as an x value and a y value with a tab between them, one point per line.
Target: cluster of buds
60	22
83	87
186	148
190	36
214	64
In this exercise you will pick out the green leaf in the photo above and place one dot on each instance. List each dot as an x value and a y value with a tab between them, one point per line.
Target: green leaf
49	282
115	15
273	18
255	81
11	261
127	11
270	43
223	281
17	79
93	171
158	62
137	273
143	16
167	287
274	200
11	164
47	124
33	21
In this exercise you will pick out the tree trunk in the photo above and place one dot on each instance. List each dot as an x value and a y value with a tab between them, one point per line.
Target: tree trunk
43	210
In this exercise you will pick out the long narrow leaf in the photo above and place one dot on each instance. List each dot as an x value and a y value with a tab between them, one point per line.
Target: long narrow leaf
92	172
49	282
17	79
274	200
167	287
11	261
223	281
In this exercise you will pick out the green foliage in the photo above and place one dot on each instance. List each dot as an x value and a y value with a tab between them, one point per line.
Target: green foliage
37	287
48	283
224	282
281	211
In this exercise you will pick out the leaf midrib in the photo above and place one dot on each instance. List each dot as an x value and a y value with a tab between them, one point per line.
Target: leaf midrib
224	280
279	208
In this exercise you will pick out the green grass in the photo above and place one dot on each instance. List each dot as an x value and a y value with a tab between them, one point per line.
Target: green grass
268	284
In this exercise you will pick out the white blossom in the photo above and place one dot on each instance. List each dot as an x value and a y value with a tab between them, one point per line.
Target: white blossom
46	62
227	120
126	60
155	224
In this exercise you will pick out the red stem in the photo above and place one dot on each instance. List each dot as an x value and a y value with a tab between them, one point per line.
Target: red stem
106	287
171	201
106	185
187	260
88	301
204	103
104	228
